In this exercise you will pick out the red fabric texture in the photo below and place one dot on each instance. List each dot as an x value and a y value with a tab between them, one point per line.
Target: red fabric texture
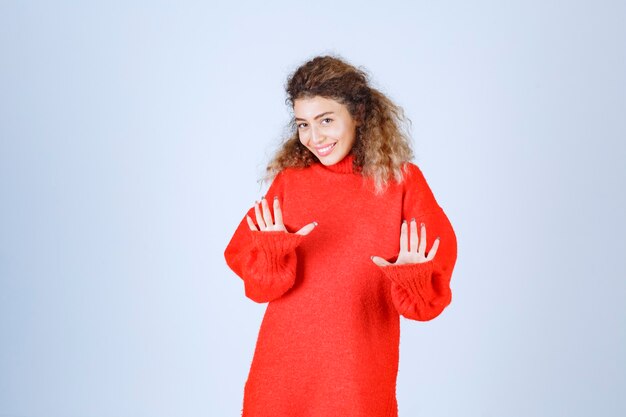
328	344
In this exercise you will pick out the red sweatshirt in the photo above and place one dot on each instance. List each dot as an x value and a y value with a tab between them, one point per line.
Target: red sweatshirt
329	340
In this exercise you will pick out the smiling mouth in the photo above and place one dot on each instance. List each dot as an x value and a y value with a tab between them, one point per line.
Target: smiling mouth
326	150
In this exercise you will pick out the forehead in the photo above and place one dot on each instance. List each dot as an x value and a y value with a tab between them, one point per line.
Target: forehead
311	107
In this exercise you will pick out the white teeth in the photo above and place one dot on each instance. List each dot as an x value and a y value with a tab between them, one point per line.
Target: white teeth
326	148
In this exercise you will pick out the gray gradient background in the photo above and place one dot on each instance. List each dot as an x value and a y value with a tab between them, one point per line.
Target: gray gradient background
131	139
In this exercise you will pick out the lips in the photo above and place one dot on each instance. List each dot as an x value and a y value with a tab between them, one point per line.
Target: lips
323	151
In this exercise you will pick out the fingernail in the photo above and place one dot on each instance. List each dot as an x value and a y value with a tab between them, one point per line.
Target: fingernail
404	221
372	257
437	238
315	223
412	219
422	225
275	197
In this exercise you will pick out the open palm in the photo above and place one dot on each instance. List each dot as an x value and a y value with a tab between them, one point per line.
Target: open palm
411	252
266	224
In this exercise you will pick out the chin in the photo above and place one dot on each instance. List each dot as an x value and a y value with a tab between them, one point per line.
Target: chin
328	160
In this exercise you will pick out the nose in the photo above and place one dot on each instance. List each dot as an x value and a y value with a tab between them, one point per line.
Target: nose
316	137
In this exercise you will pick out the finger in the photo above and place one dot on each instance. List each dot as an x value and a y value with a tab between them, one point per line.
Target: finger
259	217
380	261
266	212
433	250
404	238
278	214
413	242
251	223
307	229
422	246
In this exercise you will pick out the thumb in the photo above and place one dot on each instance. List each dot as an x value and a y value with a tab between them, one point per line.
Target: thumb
380	261
307	229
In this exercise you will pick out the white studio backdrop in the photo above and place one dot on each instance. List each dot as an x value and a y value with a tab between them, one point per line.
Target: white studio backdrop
132	135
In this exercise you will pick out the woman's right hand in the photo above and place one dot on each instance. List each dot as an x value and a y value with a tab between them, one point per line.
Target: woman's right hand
265	220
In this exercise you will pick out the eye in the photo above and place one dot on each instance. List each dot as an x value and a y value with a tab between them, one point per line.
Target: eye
328	118
299	125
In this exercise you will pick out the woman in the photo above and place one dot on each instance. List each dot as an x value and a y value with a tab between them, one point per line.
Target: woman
339	251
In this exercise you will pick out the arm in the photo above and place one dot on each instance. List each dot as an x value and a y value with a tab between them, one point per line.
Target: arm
421	291
264	260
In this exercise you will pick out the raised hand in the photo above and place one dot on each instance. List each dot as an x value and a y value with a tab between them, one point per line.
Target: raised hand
416	252
265	222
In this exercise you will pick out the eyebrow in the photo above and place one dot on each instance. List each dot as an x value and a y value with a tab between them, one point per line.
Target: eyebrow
318	116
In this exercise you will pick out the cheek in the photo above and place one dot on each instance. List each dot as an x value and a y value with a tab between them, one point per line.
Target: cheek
344	133
336	132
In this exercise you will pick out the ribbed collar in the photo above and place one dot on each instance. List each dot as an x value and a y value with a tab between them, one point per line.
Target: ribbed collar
343	167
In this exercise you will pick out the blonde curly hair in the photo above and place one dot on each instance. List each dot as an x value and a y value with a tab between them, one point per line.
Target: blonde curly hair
382	144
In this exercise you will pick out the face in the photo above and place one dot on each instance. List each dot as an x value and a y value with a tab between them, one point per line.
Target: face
325	127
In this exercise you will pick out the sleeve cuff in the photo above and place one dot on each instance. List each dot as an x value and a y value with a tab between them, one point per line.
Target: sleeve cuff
415	278
275	243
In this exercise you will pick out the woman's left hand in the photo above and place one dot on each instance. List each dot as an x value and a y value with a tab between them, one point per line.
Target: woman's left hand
416	253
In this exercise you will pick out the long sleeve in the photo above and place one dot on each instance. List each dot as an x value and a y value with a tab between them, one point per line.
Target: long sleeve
265	260
421	291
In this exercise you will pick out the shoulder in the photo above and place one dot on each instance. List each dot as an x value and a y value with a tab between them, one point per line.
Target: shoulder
289	175
412	174
415	185
293	173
